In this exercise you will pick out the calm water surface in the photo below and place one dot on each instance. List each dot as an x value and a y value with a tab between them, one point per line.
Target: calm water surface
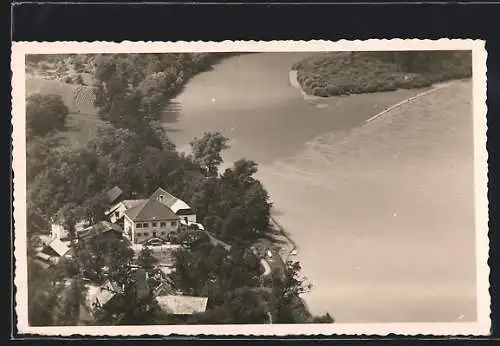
382	212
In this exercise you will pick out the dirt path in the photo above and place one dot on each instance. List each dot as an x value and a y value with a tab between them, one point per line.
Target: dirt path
434	88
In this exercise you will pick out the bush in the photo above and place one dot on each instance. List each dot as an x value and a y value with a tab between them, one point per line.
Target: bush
45	114
43	65
79	79
78	66
321	92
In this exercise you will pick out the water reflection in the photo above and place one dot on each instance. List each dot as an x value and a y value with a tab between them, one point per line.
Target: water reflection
171	112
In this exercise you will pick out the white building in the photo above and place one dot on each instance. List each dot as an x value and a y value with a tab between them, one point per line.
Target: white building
59	231
178	206
155	217
150	219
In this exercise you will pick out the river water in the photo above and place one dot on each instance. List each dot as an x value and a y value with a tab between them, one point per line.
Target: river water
382	211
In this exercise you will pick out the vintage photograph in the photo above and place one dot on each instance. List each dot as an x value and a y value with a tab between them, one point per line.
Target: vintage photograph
197	186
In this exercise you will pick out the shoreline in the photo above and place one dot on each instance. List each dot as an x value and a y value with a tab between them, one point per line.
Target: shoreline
293	78
294	82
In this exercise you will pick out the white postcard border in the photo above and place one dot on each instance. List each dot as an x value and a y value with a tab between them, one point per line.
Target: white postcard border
480	327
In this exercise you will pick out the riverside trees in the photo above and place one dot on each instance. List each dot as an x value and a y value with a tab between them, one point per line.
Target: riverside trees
136	154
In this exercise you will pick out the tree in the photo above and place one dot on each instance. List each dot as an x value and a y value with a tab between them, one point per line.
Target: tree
212	271
235	206
41	154
104	257
146	259
67	310
45	114
43	293
326	318
50	300
207	151
287	289
241	306
136	87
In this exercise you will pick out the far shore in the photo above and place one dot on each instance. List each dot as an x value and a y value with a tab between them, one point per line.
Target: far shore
293	76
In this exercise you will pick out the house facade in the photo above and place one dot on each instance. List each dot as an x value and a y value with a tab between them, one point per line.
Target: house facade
59	231
155	217
150	219
117	212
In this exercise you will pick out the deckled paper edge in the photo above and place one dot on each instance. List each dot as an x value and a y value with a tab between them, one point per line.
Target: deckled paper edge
481	327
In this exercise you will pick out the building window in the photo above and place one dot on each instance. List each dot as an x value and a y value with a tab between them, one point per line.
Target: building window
153	224
160	198
154	234
117	214
145	234
163	224
173	223
145	225
139	225
139	234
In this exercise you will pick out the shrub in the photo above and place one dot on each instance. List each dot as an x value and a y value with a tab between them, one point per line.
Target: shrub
321	92
79	79
45	114
43	65
78	66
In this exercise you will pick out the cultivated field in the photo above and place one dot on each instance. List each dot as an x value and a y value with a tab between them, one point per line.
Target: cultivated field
82	122
78	98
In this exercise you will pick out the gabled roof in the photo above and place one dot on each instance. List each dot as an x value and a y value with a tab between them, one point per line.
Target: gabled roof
168	199
101	294
100	228
179	205
151	210
130	203
114	193
182	305
59	247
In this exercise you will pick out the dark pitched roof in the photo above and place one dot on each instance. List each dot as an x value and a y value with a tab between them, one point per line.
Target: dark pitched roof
151	210
114	193
100	228
168	199
130	203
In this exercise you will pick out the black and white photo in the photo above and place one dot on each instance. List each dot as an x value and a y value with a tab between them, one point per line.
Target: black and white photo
251	187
